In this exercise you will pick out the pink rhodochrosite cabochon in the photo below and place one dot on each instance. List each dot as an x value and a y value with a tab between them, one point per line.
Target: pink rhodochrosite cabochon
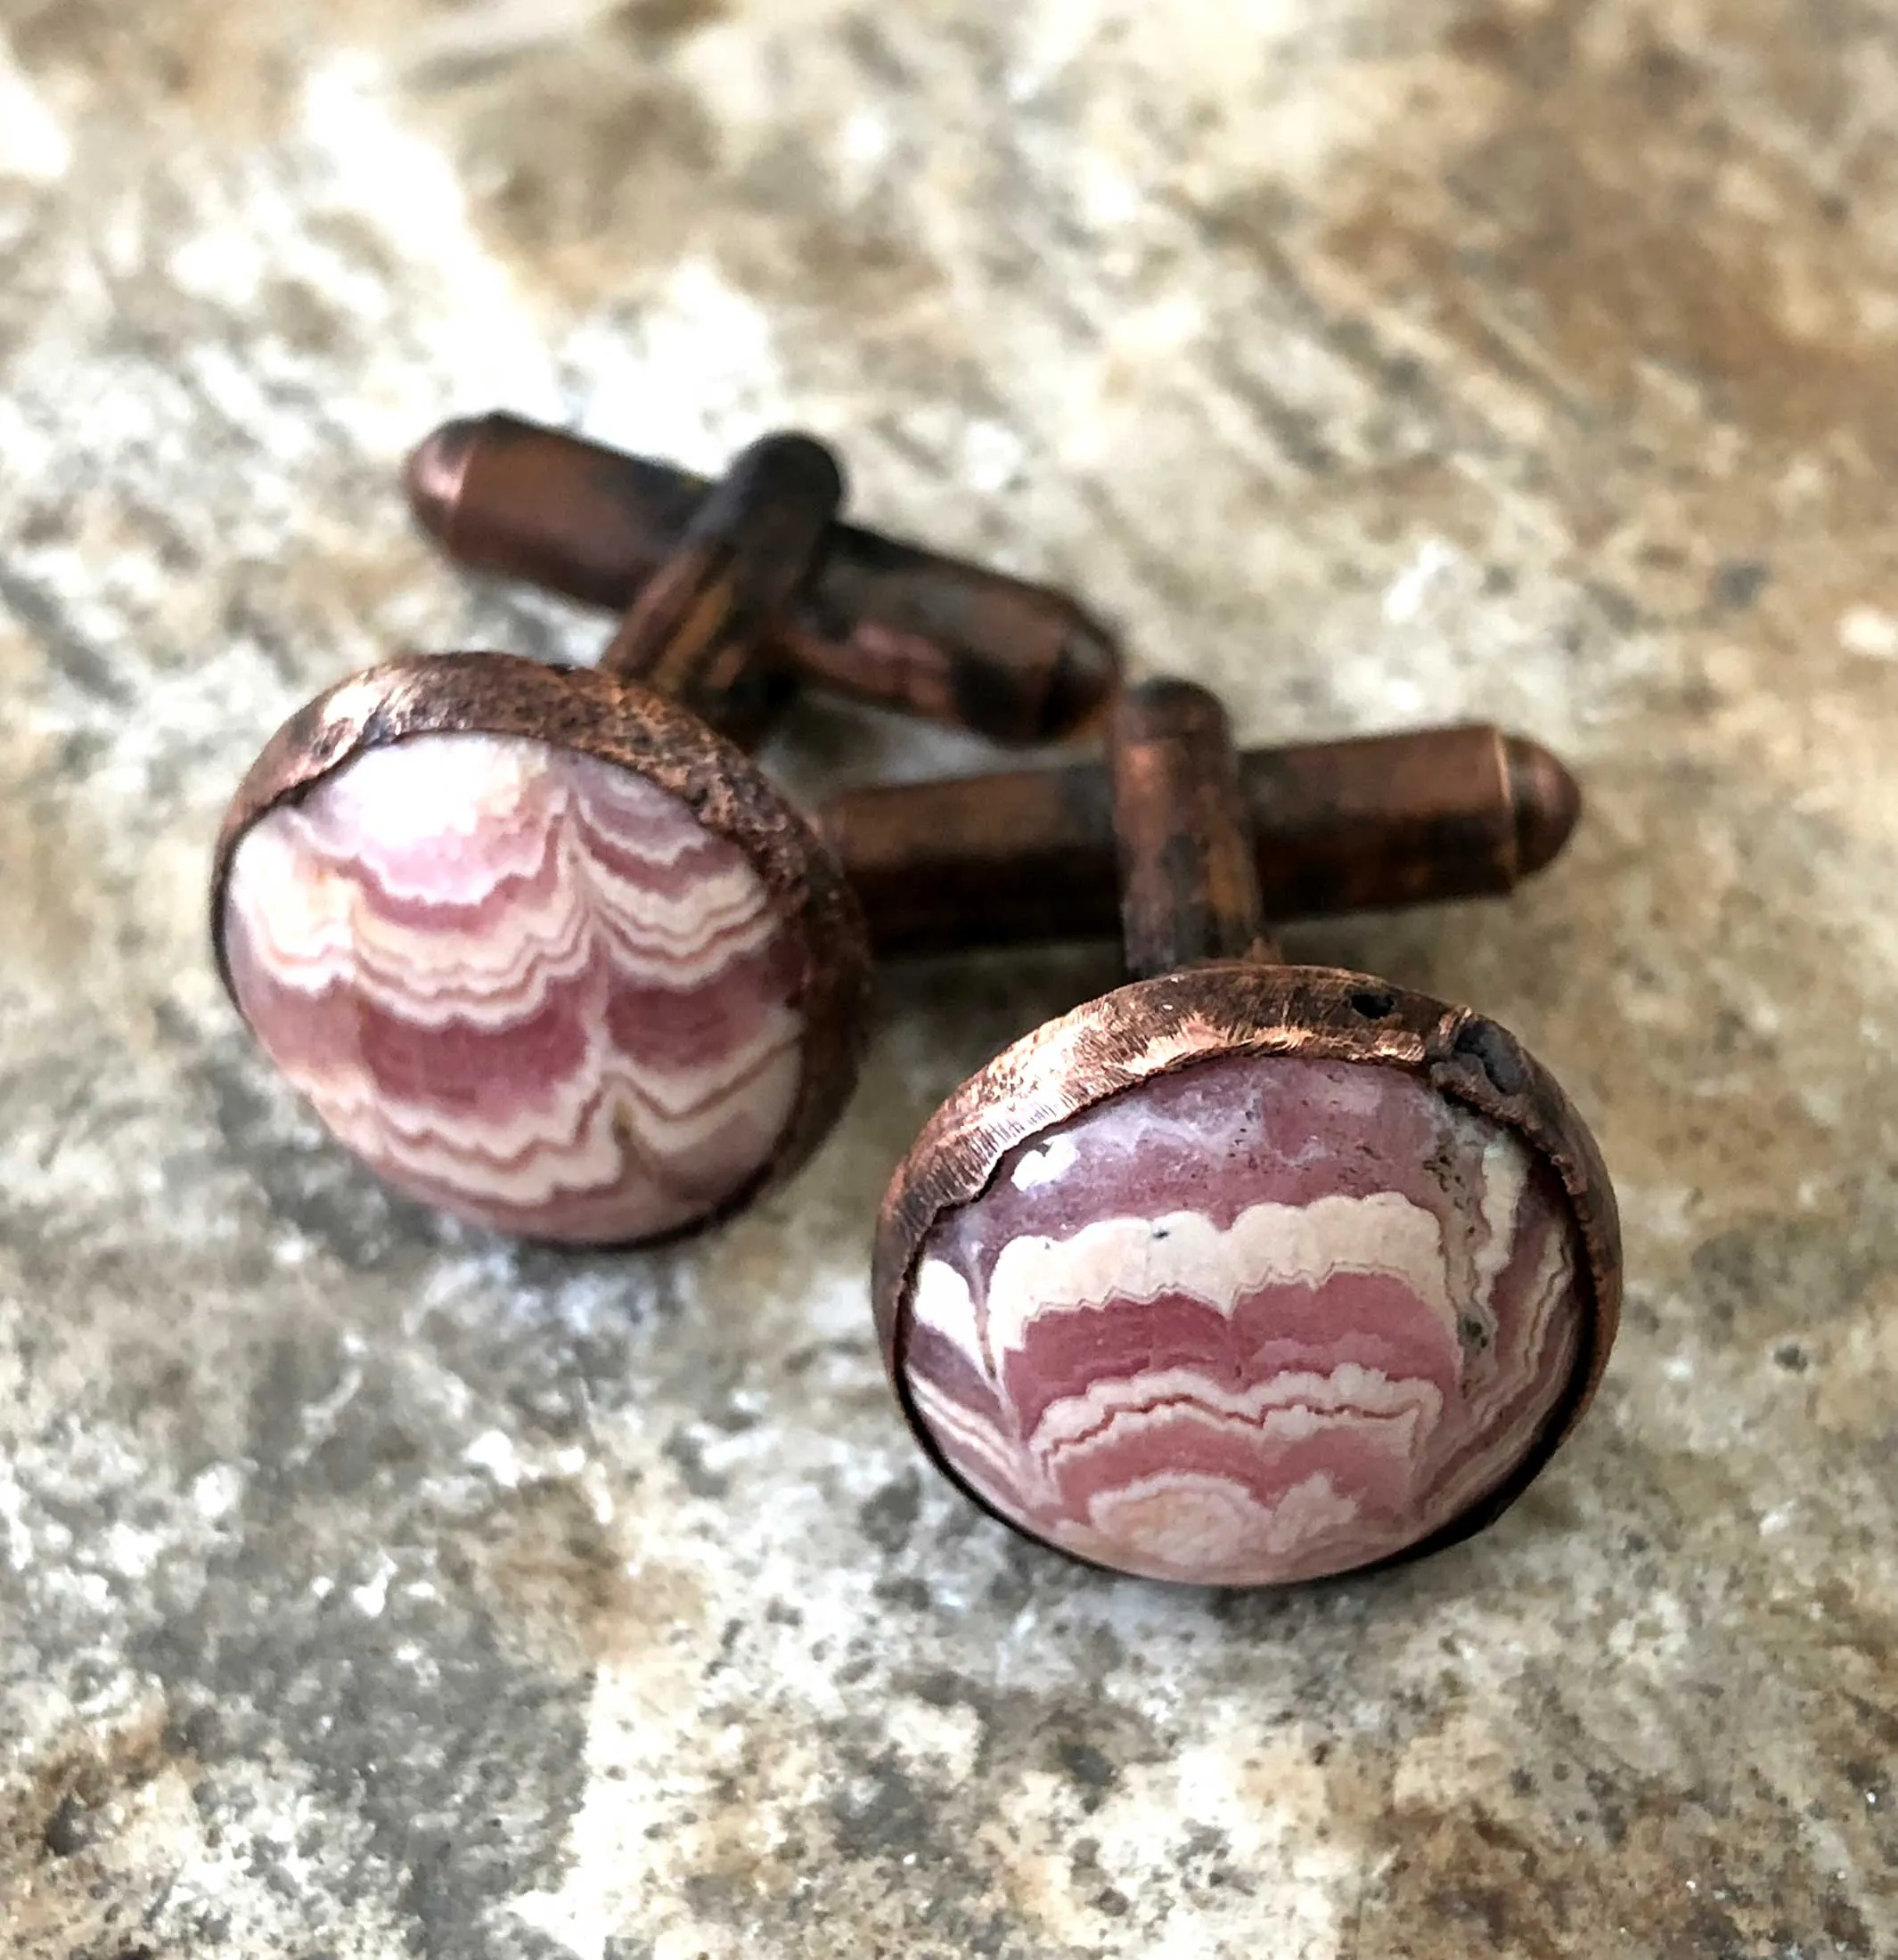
1246	1319
523	984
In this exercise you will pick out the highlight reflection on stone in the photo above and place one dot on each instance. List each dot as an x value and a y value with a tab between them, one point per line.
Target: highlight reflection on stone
1262	1320
523	984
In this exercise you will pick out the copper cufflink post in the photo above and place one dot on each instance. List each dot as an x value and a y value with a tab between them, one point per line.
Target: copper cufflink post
1029	855
885	621
1243	1274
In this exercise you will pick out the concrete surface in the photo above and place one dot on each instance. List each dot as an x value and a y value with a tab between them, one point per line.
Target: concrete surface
369	1588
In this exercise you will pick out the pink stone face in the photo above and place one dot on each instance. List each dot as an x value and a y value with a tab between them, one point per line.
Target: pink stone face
1261	1320
522	985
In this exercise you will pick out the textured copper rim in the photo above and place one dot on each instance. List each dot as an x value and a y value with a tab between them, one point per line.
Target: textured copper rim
1156	1027
590	712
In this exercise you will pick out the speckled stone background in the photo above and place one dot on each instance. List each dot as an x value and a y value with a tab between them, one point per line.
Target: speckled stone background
370	1588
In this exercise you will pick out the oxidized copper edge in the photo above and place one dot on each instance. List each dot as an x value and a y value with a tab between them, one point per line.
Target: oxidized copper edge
1157	1026
620	723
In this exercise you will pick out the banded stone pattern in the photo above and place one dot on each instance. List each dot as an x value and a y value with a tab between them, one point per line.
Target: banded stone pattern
1262	1320
522	985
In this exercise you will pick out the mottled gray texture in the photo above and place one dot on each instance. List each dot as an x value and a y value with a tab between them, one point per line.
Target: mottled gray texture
370	1588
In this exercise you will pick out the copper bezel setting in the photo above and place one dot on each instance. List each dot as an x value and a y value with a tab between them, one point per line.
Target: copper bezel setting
1157	1026
592	713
